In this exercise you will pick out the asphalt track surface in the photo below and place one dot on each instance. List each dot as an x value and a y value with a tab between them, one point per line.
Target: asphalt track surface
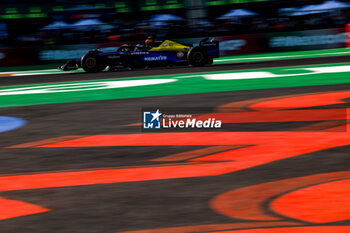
187	204
66	76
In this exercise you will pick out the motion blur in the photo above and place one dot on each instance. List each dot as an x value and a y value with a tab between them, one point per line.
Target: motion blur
174	116
33	32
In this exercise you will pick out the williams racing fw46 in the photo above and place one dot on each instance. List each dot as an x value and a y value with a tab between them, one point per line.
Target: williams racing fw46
166	53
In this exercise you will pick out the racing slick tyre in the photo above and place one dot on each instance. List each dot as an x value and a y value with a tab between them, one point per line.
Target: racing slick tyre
210	61
197	57
92	63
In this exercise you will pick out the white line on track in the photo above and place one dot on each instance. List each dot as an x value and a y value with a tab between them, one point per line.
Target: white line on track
277	57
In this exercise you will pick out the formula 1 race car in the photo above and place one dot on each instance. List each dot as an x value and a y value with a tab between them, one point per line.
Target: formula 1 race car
165	53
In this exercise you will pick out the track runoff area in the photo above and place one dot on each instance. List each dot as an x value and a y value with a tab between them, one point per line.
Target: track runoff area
75	158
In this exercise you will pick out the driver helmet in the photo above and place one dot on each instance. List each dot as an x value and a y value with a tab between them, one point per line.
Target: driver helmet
149	41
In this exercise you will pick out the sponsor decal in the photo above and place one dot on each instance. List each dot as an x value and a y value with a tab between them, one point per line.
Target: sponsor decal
113	57
139	53
180	54
157	58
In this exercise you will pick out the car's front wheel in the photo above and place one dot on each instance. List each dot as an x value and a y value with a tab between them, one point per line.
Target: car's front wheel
92	63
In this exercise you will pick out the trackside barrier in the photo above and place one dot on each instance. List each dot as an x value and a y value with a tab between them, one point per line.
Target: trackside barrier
347	29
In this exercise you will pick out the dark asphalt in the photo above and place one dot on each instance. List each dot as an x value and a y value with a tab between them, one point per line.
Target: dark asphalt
66	76
112	208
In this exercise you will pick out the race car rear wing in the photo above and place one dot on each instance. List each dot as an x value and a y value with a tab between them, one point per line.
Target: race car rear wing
211	46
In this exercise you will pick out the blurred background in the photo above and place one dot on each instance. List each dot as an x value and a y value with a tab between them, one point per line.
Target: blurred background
34	32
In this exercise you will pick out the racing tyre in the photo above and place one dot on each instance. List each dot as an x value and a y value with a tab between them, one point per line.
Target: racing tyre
210	60
93	63
197	57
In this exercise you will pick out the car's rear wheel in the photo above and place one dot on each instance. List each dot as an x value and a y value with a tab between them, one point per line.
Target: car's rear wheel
197	57
92	63
210	60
